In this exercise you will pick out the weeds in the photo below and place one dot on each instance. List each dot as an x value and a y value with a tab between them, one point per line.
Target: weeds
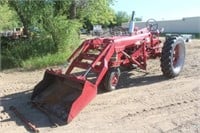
34	53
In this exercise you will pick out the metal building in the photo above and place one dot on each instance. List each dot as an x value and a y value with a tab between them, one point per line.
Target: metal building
189	25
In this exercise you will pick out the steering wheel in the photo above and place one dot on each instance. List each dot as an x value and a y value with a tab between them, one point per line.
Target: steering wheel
152	24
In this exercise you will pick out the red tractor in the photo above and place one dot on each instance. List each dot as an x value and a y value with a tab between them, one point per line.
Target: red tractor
65	94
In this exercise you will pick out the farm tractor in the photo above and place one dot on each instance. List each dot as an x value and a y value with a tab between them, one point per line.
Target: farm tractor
97	62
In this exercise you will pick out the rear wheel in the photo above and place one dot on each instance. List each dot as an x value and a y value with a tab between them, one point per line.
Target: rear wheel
173	56
111	79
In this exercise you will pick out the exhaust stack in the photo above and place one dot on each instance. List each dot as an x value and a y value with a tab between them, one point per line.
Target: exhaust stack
132	24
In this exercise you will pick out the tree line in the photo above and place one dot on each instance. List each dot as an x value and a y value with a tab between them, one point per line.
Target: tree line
58	21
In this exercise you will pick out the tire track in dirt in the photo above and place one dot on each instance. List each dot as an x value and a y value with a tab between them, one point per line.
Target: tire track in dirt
164	118
192	125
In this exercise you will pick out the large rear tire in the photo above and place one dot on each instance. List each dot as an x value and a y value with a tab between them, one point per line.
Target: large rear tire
111	79
173	56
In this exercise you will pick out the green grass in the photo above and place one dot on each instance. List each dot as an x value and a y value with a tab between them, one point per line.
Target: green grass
45	61
13	53
30	55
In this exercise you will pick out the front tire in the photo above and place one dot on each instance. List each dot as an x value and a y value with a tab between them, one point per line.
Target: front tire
111	79
173	56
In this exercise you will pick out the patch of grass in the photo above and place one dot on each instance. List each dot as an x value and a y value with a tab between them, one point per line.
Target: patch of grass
44	61
34	54
14	52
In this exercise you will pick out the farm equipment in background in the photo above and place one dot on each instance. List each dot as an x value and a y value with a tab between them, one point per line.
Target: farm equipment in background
98	61
14	34
18	32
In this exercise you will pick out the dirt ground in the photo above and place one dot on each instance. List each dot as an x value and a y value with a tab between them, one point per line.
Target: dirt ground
144	102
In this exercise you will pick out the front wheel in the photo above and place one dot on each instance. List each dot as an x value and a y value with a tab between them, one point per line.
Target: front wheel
111	79
173	56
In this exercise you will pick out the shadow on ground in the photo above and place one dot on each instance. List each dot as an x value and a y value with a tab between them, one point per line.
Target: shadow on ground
128	80
21	101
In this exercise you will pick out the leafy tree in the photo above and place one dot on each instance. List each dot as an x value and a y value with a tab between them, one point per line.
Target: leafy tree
24	10
138	19
121	17
88	12
98	12
8	18
55	21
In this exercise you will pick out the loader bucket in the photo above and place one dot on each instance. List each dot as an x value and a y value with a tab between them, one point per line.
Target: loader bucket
63	96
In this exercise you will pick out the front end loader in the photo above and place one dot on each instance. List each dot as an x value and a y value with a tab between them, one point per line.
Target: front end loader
63	94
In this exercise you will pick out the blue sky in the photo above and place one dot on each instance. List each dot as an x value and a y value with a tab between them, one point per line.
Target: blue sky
159	9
